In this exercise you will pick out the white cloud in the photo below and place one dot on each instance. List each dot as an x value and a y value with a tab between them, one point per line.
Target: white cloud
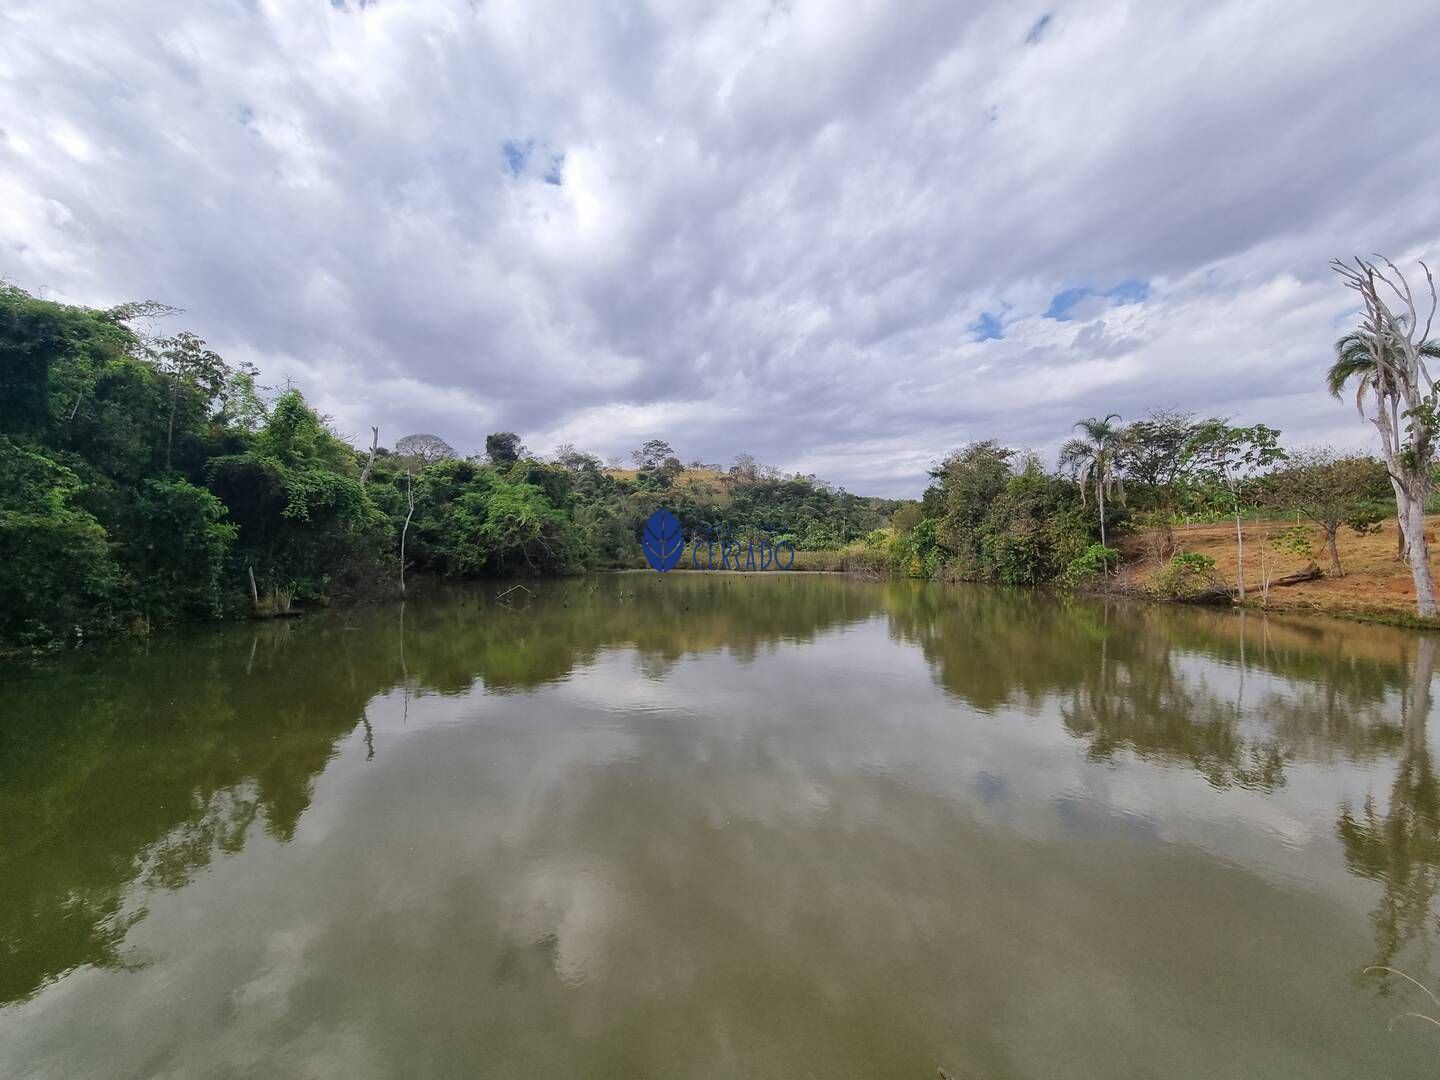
777	223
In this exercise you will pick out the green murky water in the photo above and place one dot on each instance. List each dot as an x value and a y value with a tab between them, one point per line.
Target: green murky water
707	826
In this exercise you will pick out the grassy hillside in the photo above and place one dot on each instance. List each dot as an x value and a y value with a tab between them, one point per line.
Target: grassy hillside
1376	583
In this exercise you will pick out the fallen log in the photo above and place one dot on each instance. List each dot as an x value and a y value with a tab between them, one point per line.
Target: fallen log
1227	594
1310	573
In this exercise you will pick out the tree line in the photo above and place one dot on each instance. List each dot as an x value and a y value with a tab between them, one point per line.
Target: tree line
145	480
995	513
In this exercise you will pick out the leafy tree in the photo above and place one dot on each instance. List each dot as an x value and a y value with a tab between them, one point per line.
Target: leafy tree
1231	459
176	549
524	531
906	517
32	338
77	382
297	500
503	448
473	520
1332	491
994	523
241	406
56	570
652	454
192	378
1151	451
967	482
1151	455
1094	458
1033	530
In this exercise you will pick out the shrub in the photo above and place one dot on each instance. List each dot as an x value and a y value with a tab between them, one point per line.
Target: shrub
918	553
1090	563
58	572
1187	573
1157	536
1297	540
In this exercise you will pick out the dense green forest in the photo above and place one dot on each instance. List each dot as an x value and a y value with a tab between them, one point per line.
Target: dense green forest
144	481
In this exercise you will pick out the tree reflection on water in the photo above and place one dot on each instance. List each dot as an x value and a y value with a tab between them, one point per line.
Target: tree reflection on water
133	767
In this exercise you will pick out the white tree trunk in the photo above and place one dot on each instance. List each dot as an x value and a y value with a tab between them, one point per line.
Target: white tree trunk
1101	490
1420	558
1240	552
1404	387
1410	514
409	498
370	461
1402	550
1416	705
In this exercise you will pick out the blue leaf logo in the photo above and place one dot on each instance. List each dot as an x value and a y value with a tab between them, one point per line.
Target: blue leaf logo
662	541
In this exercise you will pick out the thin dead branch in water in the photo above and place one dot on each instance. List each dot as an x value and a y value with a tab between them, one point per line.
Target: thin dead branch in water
504	597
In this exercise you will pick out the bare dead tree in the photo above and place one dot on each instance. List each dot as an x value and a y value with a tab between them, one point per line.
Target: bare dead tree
410	501
370	461
424	448
1404	409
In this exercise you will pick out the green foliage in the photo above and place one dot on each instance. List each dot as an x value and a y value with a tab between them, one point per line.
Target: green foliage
1187	574
993	523
967	482
524	532
1095	561
58	573
241	406
143	481
1094	460
917	553
1296	540
1332	490
298	503
1231	459
176	549
296	435
1151	453
652	454
503	448
31	338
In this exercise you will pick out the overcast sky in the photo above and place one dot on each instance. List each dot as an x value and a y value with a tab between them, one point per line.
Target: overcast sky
842	236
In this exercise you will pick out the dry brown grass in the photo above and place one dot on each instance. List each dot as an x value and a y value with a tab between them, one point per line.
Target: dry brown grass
706	485
1375	582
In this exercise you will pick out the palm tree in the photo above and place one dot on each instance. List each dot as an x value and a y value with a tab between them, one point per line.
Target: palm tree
1093	460
1354	360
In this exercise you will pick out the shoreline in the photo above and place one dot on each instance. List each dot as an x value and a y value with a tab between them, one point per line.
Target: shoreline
1127	585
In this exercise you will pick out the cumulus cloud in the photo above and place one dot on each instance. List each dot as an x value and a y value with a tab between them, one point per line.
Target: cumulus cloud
842	236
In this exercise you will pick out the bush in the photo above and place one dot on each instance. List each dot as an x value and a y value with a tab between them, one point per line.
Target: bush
1157	536
176	546
918	553
1090	563
1187	574
58	572
1297	540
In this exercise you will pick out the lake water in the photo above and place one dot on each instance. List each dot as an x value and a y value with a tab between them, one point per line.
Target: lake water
717	826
